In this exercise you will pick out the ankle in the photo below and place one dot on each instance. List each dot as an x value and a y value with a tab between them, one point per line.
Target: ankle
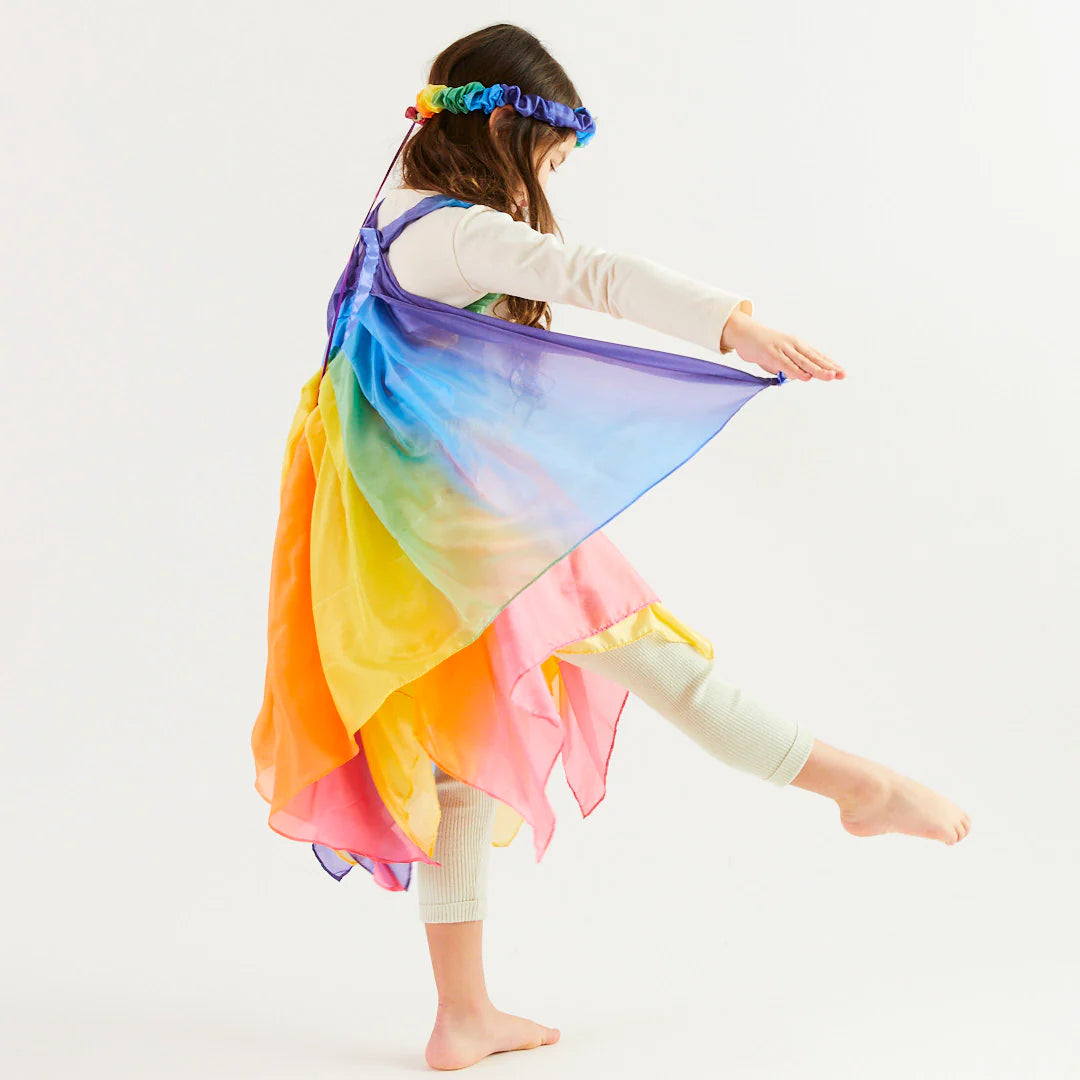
863	781
464	1007
846	778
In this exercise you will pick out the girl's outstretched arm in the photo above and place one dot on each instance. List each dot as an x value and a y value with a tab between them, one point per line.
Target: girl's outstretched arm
469	252
497	254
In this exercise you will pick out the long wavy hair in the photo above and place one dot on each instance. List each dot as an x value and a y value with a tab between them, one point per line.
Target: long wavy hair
456	153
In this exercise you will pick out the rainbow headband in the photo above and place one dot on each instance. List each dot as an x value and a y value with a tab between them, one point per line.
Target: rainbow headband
472	96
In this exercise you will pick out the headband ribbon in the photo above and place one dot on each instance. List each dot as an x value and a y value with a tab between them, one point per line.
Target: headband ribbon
474	96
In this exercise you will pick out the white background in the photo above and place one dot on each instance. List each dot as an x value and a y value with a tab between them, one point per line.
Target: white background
891	558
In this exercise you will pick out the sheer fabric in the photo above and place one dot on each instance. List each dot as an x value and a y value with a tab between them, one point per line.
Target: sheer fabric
443	493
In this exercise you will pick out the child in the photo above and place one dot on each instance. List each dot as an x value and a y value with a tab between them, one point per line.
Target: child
470	228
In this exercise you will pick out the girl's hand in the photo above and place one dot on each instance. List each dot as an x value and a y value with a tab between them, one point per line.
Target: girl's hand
776	351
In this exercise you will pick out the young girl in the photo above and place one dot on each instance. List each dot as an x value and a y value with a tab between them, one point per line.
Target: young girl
470	228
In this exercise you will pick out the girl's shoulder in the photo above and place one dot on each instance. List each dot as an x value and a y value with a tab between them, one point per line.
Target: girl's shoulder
400	199
423	256
397	200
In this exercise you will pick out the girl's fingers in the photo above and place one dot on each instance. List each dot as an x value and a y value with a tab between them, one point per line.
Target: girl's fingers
811	364
822	359
802	365
784	363
801	354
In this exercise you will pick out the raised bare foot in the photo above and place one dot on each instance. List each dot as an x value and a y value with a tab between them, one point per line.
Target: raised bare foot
885	801
462	1037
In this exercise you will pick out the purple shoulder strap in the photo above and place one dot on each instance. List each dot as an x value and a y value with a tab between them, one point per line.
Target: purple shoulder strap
433	202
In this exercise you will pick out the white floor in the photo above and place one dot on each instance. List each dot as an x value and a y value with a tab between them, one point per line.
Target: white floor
792	950
890	1031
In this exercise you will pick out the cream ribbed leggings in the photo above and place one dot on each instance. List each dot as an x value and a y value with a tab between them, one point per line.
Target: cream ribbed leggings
672	678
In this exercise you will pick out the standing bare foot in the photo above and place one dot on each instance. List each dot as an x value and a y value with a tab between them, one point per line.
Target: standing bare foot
886	801
463	1036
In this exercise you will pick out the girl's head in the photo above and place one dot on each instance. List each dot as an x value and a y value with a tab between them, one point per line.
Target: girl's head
501	159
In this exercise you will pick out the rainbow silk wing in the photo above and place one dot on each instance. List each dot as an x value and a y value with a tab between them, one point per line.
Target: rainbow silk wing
443	492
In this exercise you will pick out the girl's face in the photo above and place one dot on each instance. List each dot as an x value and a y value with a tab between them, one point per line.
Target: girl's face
553	159
550	161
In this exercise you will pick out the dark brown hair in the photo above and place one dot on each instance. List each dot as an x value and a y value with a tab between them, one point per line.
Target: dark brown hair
455	153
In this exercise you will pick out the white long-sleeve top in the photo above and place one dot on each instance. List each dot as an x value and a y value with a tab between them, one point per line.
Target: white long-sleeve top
458	255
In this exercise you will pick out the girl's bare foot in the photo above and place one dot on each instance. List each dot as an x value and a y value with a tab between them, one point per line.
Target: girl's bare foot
873	799
463	1036
888	802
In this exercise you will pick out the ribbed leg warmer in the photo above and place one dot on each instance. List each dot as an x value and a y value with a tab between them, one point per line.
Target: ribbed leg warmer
456	891
673	679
